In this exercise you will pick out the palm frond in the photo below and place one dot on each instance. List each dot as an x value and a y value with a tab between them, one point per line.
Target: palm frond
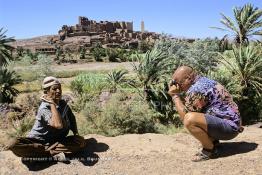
5	48
246	65
7	80
247	22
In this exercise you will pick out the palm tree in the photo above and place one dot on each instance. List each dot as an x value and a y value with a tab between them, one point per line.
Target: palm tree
247	22
113	55
116	78
152	67
245	64
7	80
153	71
98	53
5	49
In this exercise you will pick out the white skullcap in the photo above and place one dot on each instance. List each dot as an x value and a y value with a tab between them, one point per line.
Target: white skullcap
50	81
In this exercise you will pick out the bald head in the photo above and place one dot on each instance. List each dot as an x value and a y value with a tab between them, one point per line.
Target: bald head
181	71
184	76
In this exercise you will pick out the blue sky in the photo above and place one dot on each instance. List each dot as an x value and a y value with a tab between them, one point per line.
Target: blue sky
187	18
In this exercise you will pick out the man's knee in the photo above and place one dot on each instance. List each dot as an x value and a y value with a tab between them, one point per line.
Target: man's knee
189	119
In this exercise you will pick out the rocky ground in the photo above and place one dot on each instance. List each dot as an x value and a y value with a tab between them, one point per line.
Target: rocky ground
150	154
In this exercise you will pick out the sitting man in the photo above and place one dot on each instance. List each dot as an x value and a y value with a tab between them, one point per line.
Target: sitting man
54	119
208	110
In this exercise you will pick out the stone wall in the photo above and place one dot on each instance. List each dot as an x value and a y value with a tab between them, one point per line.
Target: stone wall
86	26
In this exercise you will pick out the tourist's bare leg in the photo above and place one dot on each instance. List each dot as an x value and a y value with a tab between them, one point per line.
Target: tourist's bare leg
196	124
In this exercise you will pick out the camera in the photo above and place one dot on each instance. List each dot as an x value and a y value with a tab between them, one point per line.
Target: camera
173	82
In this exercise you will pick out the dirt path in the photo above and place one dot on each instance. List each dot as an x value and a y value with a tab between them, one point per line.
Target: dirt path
152	154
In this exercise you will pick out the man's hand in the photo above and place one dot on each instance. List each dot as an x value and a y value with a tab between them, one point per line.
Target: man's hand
47	99
174	90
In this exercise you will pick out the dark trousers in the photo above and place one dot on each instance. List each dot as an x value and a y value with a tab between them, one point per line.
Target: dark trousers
30	147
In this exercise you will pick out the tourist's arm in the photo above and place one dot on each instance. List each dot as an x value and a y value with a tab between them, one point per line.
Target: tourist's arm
180	107
174	93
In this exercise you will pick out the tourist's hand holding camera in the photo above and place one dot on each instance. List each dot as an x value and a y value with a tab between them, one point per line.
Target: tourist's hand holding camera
173	88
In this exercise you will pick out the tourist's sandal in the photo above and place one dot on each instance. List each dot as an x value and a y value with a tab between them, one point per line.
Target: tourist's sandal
205	154
215	143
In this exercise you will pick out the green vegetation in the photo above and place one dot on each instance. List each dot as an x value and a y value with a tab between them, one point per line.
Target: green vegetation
7	78
116	79
23	120
5	49
88	83
153	71
87	87
247	22
144	46
98	52
123	113
245	66
119	102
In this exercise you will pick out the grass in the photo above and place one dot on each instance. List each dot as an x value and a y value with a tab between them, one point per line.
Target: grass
25	87
169	129
31	82
29	76
69	74
88	127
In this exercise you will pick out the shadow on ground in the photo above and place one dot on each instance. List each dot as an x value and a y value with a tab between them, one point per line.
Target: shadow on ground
87	157
231	148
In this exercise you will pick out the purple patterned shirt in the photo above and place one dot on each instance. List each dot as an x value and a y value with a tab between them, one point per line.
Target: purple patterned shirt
209	97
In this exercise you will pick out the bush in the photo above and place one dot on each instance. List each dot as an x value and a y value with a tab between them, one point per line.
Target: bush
28	102
43	66
245	66
24	60
162	103
121	114
113	55
88	83
201	54
169	129
33	56
87	87
90	119
21	115
98	52
144	46
116	78
22	127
